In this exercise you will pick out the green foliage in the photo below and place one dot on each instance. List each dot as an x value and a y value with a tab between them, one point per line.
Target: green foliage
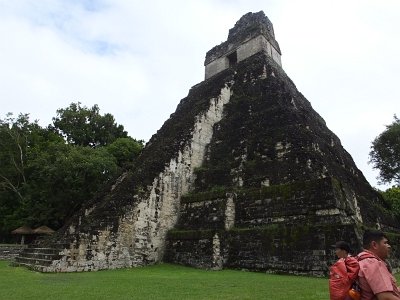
392	197
16	136
86	127
158	282
44	179
18	139
125	150
385	153
62	179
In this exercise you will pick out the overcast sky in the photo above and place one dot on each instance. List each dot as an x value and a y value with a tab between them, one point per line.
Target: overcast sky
137	59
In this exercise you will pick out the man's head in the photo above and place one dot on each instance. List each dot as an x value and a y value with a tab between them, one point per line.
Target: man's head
376	242
342	249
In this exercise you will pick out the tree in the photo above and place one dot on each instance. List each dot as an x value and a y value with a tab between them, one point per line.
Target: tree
385	153
86	127
125	150
62	178
392	197
46	174
43	179
18	137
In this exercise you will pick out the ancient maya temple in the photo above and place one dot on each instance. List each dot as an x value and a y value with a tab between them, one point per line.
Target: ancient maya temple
244	174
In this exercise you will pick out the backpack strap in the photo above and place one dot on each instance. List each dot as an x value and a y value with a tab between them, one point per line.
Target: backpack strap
365	256
352	267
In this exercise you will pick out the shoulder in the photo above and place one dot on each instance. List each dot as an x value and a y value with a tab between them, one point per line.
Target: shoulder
367	257
369	264
373	267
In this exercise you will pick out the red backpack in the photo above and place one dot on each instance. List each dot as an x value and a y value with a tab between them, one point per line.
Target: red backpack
342	275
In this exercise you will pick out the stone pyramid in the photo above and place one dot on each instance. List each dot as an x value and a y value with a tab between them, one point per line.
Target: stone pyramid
245	174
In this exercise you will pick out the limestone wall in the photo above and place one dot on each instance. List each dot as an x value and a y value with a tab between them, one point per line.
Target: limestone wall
319	201
216	66
209	214
159	212
287	228
192	252
243	51
251	47
296	249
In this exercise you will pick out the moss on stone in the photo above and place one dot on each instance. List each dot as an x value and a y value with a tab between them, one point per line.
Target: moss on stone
283	191
190	234
216	193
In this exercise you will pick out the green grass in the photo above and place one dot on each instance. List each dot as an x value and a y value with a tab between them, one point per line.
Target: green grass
162	281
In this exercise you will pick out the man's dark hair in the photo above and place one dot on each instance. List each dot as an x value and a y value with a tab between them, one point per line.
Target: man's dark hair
372	235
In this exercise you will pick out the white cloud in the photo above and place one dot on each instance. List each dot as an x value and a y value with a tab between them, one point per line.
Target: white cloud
137	59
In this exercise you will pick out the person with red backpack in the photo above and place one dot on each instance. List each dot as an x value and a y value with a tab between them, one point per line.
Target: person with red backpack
375	278
343	273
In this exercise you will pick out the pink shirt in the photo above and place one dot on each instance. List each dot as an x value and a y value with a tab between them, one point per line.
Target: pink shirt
374	278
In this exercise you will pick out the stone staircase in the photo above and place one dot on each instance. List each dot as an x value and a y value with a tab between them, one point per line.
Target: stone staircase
37	257
10	251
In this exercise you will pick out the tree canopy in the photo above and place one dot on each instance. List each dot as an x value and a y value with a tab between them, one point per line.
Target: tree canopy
86	126
125	150
385	153
47	173
392	198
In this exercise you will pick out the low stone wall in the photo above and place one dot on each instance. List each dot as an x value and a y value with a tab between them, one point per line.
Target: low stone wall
283	228
209	214
318	201
300	250
10	251
201	249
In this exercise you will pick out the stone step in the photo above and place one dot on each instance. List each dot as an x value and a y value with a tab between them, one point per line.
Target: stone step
12	246
62	245
40	255
37	257
33	261
10	251
54	251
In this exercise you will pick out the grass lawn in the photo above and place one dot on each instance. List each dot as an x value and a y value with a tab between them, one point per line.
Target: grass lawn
157	282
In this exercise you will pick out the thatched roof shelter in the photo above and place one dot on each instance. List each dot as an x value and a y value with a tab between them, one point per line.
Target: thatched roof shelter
43	230
23	230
